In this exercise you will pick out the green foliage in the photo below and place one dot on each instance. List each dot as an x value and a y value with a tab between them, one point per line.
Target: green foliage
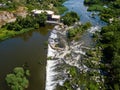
70	18
96	8
18	79
91	1
41	18
106	13
73	71
93	86
28	22
75	32
111	53
87	25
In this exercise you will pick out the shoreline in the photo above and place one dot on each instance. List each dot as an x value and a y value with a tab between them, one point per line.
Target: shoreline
6	34
14	33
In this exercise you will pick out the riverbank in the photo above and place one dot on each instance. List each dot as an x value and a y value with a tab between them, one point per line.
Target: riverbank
5	34
108	10
108	40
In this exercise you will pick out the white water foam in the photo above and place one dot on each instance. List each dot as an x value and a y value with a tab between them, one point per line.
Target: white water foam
50	83
50	69
75	49
94	29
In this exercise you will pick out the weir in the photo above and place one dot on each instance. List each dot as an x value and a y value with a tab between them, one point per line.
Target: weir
71	54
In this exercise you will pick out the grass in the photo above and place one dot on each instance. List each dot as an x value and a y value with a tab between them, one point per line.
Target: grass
5	34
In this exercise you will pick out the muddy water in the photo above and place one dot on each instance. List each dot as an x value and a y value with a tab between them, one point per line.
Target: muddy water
29	49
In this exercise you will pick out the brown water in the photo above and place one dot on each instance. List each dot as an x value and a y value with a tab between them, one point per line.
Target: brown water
28	48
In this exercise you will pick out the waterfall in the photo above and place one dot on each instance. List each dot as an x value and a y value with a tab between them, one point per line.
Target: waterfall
58	57
50	72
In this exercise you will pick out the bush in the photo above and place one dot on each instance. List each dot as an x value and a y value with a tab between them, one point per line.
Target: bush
70	18
91	1
96	8
18	79
75	32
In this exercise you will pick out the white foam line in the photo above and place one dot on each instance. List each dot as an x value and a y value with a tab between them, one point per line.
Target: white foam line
51	64
50	83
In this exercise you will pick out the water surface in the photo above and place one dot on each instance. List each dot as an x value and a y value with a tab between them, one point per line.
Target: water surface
28	48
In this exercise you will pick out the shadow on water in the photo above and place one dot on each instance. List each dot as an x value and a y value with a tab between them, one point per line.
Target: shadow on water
28	48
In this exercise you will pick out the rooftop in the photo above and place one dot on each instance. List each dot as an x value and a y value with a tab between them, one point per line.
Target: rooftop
56	16
42	11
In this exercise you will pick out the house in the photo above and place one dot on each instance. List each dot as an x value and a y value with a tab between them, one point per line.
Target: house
56	18
50	14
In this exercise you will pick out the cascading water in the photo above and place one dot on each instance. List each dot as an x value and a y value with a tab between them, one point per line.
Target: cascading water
70	54
58	58
50	83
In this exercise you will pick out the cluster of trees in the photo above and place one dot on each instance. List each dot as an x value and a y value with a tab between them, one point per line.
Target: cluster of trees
111	10
75	32
110	43
28	22
70	18
11	5
91	1
18	79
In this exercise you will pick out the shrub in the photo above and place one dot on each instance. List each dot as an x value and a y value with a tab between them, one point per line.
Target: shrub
18	79
70	18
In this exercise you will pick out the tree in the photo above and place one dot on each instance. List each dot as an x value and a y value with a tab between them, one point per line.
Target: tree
41	19
70	18
18	79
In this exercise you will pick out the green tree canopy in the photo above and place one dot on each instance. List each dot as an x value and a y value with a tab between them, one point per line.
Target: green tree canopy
18	79
70	18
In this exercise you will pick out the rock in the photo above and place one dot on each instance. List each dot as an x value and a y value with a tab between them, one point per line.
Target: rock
21	11
6	17
78	89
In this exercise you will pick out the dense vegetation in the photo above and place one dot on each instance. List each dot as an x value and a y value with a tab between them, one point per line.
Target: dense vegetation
108	8
76	32
109	41
29	23
12	5
70	18
18	79
22	25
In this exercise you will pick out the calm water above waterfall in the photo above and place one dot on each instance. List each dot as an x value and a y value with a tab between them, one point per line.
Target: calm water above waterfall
30	49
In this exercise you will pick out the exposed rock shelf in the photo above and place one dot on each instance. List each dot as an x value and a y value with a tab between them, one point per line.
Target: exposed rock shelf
62	53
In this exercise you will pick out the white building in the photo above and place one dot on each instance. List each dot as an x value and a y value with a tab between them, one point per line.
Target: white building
50	14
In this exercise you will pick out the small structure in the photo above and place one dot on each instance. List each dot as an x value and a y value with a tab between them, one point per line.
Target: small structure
50	14
56	18
111	20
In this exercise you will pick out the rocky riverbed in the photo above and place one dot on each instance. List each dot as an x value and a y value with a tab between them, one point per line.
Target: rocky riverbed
62	54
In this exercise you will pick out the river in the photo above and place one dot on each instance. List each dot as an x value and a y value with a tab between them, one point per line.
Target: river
29	48
70	55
